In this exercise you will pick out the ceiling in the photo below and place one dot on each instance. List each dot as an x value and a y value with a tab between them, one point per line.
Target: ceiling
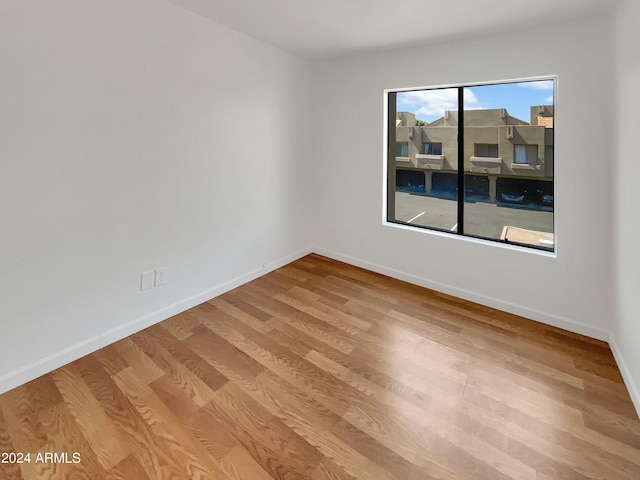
327	28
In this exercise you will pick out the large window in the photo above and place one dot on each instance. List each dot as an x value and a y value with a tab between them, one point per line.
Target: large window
402	149
487	150
526	154
474	160
432	148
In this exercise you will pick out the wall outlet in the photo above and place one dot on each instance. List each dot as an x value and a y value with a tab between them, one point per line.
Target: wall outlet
146	280
161	276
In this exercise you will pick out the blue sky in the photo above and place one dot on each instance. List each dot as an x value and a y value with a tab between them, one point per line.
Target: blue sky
517	98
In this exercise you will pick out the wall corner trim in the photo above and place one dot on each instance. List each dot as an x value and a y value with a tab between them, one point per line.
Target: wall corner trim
632	386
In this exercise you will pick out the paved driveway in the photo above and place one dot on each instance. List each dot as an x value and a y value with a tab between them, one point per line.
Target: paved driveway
483	219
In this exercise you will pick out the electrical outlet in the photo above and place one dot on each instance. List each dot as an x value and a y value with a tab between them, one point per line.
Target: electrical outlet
161	276
146	280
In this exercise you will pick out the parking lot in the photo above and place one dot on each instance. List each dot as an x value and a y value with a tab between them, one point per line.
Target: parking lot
482	219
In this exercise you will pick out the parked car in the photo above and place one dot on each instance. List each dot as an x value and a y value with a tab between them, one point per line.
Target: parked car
506	197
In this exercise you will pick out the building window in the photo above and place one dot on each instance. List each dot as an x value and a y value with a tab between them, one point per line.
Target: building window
526	155
486	150
402	149
474	191
432	148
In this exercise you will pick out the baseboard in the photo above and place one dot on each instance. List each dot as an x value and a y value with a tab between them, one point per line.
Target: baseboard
632	386
497	303
47	364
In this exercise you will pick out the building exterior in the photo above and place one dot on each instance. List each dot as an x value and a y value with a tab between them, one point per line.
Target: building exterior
505	159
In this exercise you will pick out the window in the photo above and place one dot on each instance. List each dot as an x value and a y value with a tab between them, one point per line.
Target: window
402	149
526	154
486	150
495	181
432	148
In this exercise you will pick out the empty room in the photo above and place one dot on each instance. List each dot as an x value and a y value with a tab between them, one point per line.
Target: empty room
334	240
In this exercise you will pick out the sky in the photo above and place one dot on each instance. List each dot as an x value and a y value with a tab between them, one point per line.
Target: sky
517	98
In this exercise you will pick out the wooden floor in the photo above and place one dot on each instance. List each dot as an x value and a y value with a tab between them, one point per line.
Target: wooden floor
320	370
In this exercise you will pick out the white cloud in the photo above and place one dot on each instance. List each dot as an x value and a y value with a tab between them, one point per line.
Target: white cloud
471	102
538	85
549	99
433	103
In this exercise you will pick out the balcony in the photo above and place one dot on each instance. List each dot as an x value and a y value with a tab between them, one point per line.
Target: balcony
429	161
486	164
526	169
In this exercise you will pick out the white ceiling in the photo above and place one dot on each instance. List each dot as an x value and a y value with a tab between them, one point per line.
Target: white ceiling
325	28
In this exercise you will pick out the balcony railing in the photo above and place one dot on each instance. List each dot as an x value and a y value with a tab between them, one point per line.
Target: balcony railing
486	164
432	162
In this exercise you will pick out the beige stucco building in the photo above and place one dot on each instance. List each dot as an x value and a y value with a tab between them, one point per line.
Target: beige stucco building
499	149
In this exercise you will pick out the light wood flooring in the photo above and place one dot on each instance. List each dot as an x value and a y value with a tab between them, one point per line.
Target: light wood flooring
320	371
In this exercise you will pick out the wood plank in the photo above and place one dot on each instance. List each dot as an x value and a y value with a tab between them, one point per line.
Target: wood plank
175	374
105	440
226	358
180	325
138	436
276	448
210	431
336	438
182	455
240	465
186	357
7	469
67	435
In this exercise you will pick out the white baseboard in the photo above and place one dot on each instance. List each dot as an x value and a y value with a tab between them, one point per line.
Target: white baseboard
47	364
500	304
632	386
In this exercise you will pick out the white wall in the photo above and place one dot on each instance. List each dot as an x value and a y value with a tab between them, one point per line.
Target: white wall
626	211
135	135
571	291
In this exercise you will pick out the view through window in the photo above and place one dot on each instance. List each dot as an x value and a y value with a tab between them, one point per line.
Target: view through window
474	160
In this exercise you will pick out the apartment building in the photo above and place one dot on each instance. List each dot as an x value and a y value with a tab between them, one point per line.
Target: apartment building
506	159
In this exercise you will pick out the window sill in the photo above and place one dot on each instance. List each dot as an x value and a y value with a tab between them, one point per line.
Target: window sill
403	159
525	249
